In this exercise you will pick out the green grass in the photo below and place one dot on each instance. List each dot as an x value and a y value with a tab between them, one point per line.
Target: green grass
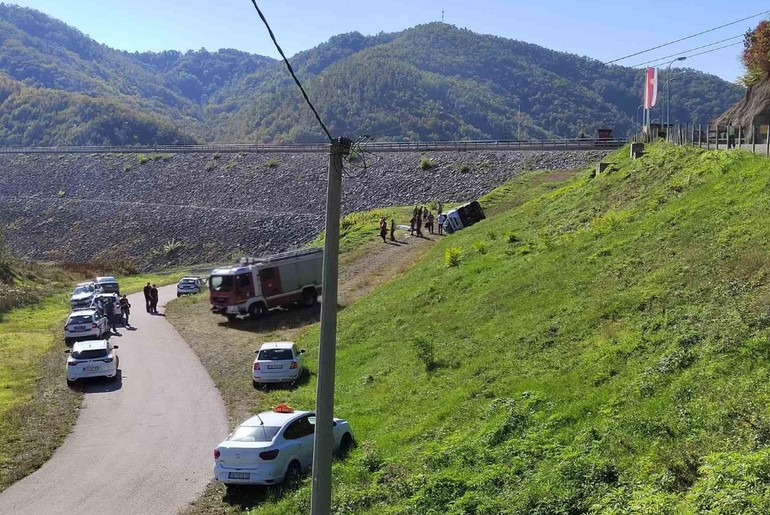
611	357
36	407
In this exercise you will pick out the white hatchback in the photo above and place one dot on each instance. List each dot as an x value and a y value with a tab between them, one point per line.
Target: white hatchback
188	285
277	362
92	358
273	446
84	323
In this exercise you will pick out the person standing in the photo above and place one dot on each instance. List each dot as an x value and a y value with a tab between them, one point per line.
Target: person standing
429	223
383	228
125	309
148	297
392	230
417	224
441	219
109	312
154	300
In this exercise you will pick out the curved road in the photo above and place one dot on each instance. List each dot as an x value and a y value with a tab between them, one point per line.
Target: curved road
142	444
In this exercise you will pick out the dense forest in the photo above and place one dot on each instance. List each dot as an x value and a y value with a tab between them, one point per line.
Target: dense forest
430	82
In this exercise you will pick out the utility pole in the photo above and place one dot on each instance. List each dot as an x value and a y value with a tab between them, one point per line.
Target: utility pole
323	440
518	133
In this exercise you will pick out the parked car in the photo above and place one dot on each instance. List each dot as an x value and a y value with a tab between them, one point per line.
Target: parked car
92	358
277	362
83	294
108	284
189	285
100	299
273	446
84	323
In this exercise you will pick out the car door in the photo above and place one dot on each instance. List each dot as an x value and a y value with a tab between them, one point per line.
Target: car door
300	434
299	358
100	322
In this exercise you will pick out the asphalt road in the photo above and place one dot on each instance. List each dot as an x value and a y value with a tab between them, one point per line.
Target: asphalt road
142	444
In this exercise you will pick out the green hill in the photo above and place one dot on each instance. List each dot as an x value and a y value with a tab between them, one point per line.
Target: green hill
602	347
429	82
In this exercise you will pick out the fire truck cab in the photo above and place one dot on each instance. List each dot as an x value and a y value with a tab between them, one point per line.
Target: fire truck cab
259	284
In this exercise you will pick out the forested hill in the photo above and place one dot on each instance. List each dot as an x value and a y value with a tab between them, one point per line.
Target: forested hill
429	82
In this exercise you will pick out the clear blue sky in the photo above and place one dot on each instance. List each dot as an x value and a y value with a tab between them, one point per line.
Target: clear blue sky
603	29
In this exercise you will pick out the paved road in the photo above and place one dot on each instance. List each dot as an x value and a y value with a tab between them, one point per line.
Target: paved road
141	445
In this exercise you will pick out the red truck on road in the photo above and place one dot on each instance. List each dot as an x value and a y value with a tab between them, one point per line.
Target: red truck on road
259	284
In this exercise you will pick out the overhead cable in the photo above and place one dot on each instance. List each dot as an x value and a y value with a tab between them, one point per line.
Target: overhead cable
648	63
291	70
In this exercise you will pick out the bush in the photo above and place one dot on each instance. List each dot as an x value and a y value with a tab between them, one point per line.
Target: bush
172	246
60	194
511	237
452	256
272	163
425	352
480	247
463	168
426	164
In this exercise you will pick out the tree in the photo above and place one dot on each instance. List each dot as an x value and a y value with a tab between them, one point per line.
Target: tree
756	53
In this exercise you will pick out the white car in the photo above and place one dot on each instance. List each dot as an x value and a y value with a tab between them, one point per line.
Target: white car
189	285
277	362
273	446
83	294
84	323
92	358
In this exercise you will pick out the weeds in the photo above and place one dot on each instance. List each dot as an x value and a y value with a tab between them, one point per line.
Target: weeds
452	256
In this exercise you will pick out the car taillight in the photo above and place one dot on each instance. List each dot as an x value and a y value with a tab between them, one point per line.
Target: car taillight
256	366
293	365
107	360
72	363
216	454
269	455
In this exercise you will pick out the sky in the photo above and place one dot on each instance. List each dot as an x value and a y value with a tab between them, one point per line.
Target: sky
601	29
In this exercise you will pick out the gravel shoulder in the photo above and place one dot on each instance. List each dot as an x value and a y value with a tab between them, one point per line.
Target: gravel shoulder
141	444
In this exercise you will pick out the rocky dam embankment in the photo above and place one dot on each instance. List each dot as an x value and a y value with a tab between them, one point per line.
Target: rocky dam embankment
159	209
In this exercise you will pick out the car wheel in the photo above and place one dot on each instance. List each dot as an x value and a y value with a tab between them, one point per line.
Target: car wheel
71	383
256	311
345	445
292	473
255	384
232	317
309	298
178	295
68	341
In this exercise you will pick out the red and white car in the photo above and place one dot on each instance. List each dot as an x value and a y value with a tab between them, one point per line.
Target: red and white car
272	447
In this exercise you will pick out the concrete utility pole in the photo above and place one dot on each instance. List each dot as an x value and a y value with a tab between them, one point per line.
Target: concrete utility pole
323	441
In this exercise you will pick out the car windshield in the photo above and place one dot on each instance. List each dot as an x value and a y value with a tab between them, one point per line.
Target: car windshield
221	282
275	354
90	354
187	281
81	289
80	319
254	434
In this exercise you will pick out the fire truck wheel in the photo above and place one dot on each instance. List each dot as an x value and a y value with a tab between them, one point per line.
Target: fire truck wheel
309	298
256	311
231	317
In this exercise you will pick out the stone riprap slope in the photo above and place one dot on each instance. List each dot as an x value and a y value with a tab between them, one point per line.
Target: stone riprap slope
158	209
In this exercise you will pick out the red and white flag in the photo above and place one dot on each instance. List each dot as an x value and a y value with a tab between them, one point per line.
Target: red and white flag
651	88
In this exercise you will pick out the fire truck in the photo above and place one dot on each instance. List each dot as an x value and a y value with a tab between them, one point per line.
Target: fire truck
258	284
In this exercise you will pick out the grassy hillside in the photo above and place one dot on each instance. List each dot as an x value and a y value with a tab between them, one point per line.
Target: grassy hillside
601	348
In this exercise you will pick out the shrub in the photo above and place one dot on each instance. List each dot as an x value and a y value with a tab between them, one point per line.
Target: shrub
452	256
480	247
127	168
463	168
172	246
272	163
60	194
426	164
511	237
425	352
492	235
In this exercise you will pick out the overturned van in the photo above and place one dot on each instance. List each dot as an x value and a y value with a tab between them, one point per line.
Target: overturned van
463	216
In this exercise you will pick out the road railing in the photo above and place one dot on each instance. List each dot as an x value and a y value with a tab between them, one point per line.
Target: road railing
369	146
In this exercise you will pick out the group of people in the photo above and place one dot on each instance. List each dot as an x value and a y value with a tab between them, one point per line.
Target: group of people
420	215
151	298
111	312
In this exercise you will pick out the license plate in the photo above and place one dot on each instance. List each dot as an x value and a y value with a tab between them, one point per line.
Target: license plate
238	475
79	328
271	367
90	369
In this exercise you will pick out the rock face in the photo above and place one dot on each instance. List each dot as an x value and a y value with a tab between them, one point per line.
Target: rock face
754	109
160	209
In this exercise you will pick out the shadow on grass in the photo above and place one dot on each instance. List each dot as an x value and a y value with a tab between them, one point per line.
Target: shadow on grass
277	319
246	497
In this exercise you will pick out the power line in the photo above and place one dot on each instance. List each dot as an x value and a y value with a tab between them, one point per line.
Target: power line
648	63
706	51
291	70
686	37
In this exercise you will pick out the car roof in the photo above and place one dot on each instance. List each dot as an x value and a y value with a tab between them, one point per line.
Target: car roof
271	418
106	294
83	312
87	283
277	345
106	279
89	345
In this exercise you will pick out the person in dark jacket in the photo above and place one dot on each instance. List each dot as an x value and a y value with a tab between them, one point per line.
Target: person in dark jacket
125	308
154	300
148	298
109	312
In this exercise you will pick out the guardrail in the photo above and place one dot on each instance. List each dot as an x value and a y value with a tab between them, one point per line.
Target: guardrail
373	146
